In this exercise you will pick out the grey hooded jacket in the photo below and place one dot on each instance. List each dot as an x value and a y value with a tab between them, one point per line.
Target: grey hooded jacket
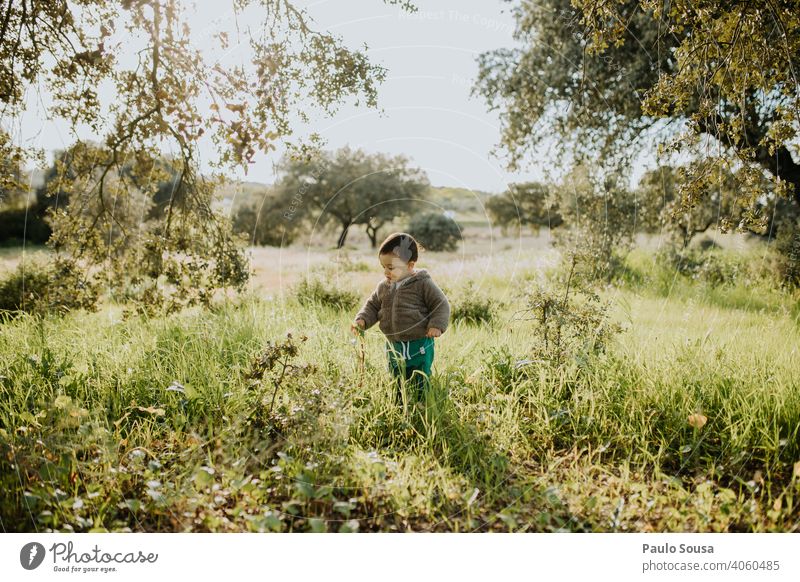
406	309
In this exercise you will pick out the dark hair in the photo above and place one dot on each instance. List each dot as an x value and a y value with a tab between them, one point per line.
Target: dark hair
401	244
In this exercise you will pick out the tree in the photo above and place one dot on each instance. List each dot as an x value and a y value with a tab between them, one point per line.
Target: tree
435	231
601	75
166	100
261	218
659	205
524	204
350	187
19	219
600	216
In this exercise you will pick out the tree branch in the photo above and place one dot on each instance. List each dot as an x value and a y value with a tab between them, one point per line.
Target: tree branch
5	21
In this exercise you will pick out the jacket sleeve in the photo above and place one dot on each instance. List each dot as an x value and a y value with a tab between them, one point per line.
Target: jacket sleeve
369	311
438	305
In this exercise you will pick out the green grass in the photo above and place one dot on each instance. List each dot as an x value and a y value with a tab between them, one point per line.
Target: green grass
95	434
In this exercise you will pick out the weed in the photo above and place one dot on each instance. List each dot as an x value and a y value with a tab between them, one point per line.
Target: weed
314	292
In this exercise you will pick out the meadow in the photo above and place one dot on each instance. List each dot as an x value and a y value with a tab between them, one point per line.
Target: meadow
264	413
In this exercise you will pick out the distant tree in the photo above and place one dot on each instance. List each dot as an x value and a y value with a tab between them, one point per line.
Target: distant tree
350	187
19	219
435	231
600	218
262	219
526	204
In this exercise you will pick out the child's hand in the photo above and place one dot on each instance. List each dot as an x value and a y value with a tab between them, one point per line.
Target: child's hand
358	326
434	332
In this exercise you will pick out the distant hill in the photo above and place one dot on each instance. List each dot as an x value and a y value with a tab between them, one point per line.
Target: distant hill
458	200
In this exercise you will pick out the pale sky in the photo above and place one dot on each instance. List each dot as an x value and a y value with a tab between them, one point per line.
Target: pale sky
427	112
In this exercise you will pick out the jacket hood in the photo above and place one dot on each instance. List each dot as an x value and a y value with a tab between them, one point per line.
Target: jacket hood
419	275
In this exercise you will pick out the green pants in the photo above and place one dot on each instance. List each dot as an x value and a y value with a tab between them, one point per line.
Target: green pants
411	361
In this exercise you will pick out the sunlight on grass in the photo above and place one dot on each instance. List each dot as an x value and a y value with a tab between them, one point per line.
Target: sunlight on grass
688	422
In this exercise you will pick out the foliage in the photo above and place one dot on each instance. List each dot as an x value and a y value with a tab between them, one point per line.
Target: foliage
787	245
318	292
570	321
12	186
470	306
435	232
550	67
526	204
349	187
19	220
660	207
40	288
603	77
601	219
163	84
264	223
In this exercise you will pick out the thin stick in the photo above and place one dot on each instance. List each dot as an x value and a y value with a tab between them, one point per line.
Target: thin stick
362	356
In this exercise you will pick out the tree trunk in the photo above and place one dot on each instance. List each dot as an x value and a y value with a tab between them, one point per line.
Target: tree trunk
343	235
372	233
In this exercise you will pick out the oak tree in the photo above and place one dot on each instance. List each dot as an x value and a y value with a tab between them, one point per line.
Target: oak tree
715	79
350	187
132	83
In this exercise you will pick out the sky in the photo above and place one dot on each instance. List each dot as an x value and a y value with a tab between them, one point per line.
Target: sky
427	111
425	108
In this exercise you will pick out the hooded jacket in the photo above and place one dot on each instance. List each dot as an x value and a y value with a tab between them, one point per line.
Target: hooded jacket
406	309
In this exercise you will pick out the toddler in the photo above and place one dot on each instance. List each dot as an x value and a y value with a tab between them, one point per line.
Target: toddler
410	309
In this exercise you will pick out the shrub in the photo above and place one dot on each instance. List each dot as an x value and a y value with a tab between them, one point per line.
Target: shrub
787	245
570	321
718	270
600	219
23	225
715	267
345	262
40	288
470	306
581	324
707	244
311	292
436	232
270	370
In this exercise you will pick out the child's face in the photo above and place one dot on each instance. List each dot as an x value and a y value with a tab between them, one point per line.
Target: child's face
394	267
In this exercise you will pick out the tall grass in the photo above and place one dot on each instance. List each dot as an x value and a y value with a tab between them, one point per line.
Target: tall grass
154	425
